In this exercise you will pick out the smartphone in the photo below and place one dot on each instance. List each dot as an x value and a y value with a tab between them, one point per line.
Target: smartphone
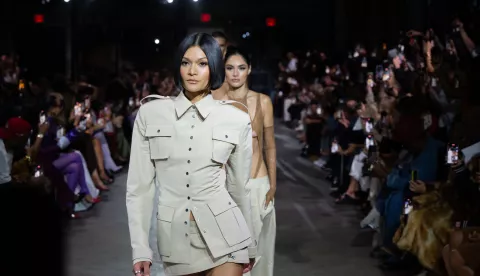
131	102
21	85
369	125
364	63
60	132
414	175
408	207
43	117
78	109
452	154
338	114
427	121
386	75
87	103
434	82
379	71
369	142
38	171
319	111
370	82
334	147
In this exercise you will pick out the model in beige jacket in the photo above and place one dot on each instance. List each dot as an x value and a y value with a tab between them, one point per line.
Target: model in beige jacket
179	147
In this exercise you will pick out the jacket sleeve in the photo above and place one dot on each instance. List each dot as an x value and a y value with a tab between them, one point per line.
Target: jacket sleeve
238	174
140	192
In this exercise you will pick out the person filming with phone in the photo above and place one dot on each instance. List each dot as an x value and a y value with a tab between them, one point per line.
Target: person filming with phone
420	161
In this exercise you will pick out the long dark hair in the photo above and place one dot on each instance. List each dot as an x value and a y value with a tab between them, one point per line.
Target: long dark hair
232	51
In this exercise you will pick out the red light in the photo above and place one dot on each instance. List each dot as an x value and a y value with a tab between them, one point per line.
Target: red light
271	22
38	18
205	17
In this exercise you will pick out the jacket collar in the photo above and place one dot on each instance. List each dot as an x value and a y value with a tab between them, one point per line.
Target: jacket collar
204	106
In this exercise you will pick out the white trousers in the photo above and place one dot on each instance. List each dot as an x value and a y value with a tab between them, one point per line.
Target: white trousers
265	227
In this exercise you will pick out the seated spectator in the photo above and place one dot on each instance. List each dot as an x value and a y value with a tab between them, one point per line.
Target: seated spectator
314	124
421	156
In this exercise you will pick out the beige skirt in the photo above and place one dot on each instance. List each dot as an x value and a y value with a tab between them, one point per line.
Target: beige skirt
201	258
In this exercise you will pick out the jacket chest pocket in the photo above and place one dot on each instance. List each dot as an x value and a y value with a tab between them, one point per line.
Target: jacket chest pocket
230	220
224	141
164	229
160	138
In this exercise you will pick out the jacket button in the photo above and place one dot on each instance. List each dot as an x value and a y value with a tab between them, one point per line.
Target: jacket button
189	149
191	137
188	185
186	235
226	136
158	130
204	231
188	161
229	203
186	173
186	223
186	210
188	198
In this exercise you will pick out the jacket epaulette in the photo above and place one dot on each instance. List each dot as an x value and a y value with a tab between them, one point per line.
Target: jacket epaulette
154	97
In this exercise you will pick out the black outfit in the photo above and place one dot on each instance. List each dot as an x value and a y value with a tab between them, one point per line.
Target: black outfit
313	133
31	232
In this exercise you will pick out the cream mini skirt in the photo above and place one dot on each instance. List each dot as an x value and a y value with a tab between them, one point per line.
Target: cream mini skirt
201	258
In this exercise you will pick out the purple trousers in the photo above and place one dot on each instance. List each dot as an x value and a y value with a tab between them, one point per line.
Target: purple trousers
71	166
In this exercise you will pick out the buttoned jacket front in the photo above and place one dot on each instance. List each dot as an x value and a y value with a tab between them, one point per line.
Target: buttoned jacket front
180	148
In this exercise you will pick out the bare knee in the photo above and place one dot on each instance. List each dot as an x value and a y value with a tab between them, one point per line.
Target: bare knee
227	269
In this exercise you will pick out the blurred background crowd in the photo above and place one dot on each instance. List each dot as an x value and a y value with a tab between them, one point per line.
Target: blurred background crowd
395	128
393	125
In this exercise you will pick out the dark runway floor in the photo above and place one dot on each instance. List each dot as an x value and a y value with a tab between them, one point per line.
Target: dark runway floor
314	236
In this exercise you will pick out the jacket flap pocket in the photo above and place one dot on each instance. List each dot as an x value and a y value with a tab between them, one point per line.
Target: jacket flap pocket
165	213
159	131
226	135
221	205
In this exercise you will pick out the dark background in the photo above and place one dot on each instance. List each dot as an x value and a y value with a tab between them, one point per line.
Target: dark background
107	31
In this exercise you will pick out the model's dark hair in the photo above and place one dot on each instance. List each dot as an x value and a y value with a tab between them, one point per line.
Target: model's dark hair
218	34
232	51
214	55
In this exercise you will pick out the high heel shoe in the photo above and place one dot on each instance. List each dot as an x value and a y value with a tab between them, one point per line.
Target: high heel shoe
92	200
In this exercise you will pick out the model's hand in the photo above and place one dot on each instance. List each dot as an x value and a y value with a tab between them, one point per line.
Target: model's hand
270	196
142	268
248	267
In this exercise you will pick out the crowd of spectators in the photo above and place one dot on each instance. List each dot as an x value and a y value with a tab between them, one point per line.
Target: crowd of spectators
395	128
61	145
